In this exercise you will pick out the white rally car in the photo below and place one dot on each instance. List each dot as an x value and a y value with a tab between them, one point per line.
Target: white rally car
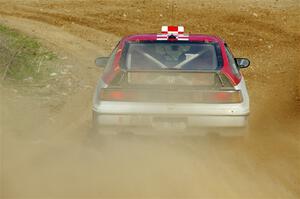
171	81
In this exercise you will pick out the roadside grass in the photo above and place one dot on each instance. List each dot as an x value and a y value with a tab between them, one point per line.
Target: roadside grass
23	58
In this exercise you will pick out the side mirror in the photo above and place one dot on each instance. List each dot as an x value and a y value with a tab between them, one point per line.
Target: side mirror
242	62
101	61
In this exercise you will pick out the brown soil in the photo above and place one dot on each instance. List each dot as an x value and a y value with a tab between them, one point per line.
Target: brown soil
44	152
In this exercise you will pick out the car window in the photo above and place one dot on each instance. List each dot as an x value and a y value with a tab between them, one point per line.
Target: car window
172	55
232	63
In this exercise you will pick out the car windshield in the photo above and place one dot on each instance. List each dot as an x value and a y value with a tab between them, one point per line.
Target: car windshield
172	55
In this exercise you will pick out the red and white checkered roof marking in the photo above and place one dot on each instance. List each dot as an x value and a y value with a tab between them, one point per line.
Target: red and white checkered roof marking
176	31
172	29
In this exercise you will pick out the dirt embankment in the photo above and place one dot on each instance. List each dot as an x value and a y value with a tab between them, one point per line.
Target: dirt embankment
48	140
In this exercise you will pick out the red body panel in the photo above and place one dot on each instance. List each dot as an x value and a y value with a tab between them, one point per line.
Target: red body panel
226	69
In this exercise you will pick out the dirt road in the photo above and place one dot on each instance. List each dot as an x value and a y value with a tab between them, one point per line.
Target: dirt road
44	150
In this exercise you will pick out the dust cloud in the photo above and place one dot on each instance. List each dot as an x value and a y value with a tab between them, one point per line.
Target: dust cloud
42	159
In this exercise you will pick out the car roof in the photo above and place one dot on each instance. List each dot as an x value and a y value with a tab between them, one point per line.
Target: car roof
191	37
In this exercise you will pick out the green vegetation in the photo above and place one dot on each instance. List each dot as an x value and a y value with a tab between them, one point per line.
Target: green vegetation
22	57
